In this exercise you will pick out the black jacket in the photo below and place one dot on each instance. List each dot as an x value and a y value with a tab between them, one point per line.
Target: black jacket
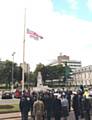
24	104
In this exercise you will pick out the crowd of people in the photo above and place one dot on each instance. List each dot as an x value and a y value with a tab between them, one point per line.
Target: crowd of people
48	104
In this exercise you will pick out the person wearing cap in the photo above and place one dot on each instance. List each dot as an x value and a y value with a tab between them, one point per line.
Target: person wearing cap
57	107
76	105
87	108
24	106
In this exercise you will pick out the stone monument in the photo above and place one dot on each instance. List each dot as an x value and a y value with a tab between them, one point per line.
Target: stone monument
39	80
40	86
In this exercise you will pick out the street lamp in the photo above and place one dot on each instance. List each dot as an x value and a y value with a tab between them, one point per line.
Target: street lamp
12	86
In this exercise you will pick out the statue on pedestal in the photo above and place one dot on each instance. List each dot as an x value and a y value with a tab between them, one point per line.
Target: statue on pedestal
40	86
39	80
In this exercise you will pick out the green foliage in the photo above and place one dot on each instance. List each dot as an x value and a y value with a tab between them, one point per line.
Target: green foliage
67	72
6	73
52	72
48	72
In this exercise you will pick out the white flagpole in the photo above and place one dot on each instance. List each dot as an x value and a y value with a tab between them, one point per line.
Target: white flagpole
23	68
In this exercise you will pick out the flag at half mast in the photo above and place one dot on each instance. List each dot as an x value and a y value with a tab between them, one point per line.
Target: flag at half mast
34	35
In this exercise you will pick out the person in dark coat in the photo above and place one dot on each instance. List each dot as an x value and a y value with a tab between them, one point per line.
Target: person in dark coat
49	106
87	108
76	105
57	108
81	99
33	98
24	106
68	95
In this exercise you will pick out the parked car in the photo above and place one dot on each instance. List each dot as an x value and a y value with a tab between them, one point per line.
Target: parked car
6	95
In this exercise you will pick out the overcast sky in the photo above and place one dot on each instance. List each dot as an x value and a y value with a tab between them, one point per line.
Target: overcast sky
66	26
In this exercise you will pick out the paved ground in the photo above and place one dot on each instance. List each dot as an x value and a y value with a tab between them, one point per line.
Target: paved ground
10	116
17	116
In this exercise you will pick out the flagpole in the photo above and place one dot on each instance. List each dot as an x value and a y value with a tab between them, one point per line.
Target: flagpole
23	68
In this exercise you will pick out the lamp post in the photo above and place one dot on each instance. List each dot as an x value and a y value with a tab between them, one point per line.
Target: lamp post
12	86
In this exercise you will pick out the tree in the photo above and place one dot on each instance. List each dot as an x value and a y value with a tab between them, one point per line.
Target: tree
17	74
6	73
52	72
31	79
67	72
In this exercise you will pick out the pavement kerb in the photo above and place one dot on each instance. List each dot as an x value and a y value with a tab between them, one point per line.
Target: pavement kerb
10	115
9	118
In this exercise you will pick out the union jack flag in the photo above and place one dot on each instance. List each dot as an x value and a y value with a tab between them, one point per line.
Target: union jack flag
34	35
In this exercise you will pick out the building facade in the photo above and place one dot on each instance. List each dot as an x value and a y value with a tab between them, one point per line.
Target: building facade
73	64
83	76
26	67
